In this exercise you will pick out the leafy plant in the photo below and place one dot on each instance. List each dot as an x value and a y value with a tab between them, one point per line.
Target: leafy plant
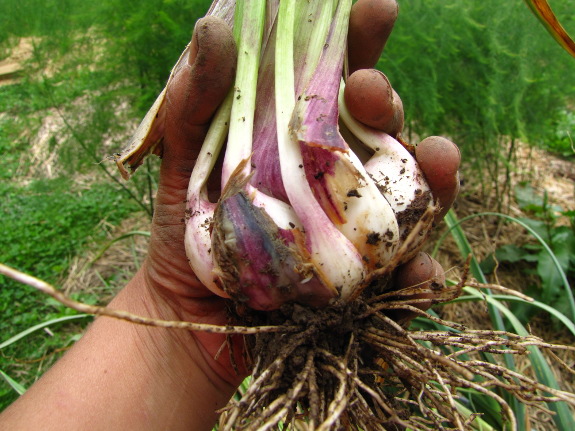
145	39
483	72
502	318
561	141
559	237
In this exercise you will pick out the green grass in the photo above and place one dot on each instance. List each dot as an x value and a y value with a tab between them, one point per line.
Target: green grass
50	222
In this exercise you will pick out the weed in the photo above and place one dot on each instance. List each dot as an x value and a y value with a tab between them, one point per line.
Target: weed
561	141
49	222
548	222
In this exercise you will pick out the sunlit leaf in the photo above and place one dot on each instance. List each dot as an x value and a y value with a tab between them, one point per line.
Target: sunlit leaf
543	12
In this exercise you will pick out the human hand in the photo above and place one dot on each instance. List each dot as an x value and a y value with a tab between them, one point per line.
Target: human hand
198	84
437	157
193	94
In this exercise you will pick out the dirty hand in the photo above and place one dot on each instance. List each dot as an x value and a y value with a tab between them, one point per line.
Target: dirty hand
196	89
371	24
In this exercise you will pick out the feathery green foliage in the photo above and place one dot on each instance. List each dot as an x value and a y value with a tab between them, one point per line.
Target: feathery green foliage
484	73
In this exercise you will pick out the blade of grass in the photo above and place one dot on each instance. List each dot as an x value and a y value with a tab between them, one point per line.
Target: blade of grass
483	404
454	225
120	238
496	319
32	329
477	295
478	423
13	383
563	419
489	409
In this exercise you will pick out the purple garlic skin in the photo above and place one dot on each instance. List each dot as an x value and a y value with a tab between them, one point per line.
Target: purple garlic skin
260	264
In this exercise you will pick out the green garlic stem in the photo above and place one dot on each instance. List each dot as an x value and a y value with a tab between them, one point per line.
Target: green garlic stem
242	115
334	257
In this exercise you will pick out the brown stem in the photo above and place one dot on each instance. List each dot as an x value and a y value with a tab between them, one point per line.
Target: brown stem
97	310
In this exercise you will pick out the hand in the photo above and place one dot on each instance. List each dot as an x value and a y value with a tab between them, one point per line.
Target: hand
438	158
198	85
126	376
192	96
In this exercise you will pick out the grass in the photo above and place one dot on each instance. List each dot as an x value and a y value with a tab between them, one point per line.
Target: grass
51	221
15	385
564	419
55	210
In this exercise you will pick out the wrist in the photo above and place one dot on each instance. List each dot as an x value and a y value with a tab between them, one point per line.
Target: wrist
121	375
185	374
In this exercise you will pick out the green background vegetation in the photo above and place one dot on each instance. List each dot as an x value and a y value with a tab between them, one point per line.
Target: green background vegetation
485	73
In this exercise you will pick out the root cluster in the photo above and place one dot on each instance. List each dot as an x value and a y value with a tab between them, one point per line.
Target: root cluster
351	366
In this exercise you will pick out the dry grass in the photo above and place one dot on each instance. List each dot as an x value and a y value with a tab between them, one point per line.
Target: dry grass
104	273
543	172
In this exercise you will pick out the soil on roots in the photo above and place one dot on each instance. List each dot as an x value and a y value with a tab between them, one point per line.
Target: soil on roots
351	367
311	373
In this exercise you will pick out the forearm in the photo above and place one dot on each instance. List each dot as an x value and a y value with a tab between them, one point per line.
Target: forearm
125	376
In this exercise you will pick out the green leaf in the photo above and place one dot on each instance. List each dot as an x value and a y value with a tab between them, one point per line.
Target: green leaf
490	409
563	239
488	264
479	423
28	331
550	278
496	319
527	198
538	226
508	253
511	253
13	383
